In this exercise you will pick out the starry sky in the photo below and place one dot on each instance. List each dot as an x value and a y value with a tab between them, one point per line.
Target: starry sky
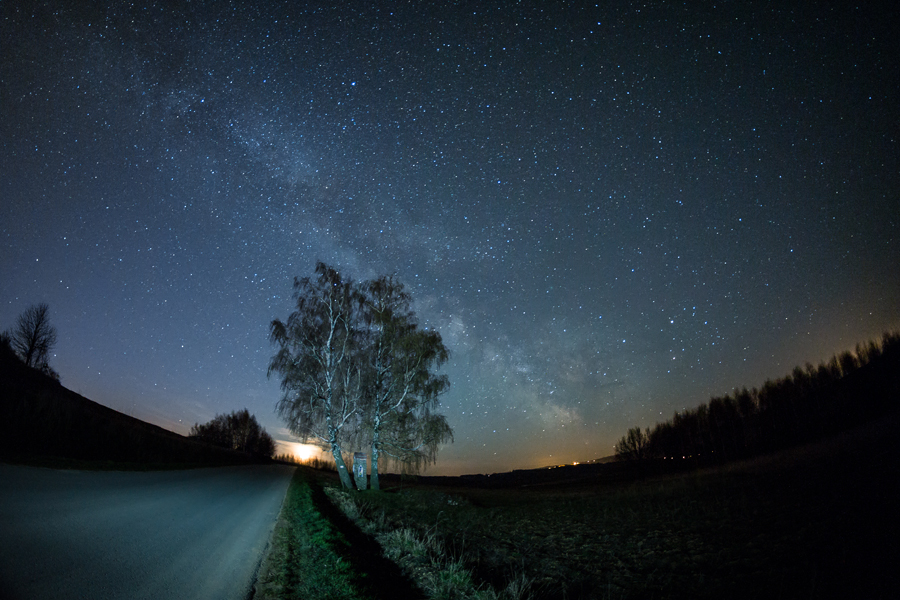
610	212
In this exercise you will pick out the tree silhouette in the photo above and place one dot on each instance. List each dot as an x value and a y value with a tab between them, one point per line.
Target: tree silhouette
33	338
634	445
236	431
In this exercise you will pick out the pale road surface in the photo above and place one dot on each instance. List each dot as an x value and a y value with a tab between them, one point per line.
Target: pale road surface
197	533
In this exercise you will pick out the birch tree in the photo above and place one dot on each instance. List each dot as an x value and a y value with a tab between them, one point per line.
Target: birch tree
402	388
319	363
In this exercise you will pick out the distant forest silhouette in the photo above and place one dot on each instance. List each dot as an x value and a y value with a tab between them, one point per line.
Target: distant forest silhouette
812	403
239	431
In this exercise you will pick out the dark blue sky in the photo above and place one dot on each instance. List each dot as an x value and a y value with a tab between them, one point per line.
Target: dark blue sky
610	214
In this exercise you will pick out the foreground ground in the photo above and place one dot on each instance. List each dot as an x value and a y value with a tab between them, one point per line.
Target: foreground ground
817	522
197	533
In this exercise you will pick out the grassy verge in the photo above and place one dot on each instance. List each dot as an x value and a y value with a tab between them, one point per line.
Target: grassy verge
316	553
302	561
441	572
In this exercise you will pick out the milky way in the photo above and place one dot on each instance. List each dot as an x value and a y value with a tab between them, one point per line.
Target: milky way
610	214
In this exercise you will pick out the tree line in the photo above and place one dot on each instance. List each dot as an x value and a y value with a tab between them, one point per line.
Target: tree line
357	371
236	431
811	403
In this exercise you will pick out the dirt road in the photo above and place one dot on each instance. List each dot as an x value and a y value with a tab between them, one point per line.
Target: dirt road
165	534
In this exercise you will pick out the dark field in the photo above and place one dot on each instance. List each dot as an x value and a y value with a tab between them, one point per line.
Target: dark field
815	522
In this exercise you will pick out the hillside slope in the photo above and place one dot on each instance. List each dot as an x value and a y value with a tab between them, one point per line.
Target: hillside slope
40	417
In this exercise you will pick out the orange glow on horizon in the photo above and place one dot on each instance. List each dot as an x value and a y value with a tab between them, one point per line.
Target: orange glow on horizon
305	452
298	452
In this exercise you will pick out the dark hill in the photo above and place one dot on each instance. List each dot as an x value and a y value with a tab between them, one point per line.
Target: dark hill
41	418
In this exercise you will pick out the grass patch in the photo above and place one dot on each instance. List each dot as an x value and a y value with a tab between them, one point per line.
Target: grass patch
442	572
302	561
316	553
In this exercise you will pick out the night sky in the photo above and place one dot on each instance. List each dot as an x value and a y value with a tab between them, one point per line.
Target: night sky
609	213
